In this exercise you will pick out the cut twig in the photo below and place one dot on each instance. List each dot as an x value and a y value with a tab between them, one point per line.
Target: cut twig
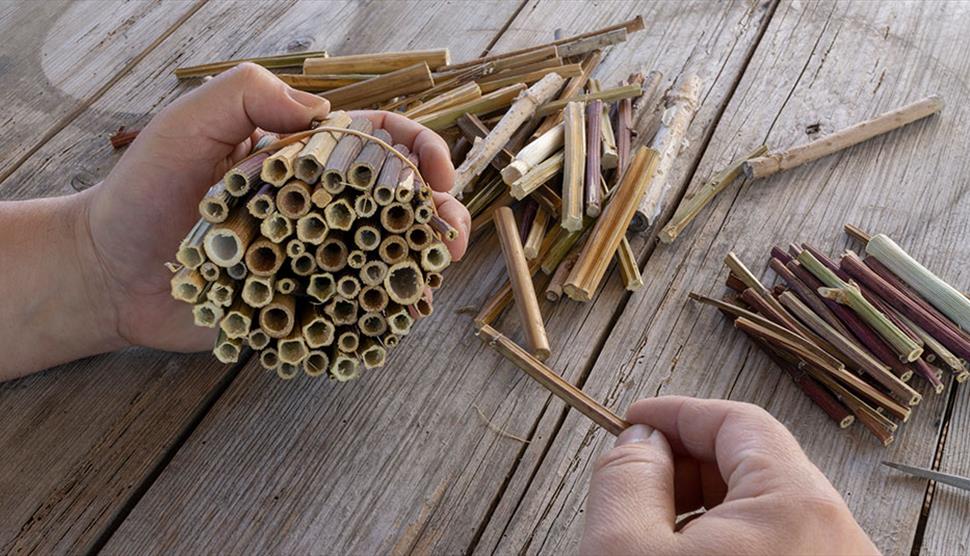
278	61
593	194
410	79
382	62
574	164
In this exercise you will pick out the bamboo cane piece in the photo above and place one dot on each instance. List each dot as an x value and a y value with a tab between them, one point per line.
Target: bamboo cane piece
669	141
331	255
334	177
389	178
460	95
278	318
322	287
221	291
292	349
593	195
373	273
263	202
574	164
491	102
238	320
311	229
278	168
276	227
404	282
548	378
278	61
339	215
522	287
191	251
216	204
257	291
293	199
258	340
529	76
393	249
537	233
264	258
382	62
348	341
227	349
225	244
606	95
629	267
320	82
773	163
317	362
397	218
366	167
520	111
207	314
344	367
241	178
411	79
312	159
539	150
303	264
611	227
694	203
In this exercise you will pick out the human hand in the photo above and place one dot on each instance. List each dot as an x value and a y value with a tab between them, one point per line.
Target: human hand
137	216
762	494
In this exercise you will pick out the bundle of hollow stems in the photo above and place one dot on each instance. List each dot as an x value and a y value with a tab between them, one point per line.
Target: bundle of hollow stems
852	332
319	252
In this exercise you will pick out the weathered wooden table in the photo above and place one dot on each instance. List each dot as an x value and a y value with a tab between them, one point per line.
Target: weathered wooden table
144	451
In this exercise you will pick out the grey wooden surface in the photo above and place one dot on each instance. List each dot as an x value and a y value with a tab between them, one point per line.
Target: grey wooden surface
153	452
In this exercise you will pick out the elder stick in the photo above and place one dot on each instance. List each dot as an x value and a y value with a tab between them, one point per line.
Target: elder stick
773	163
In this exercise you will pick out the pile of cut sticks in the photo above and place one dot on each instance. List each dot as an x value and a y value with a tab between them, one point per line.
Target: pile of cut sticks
851	333
319	251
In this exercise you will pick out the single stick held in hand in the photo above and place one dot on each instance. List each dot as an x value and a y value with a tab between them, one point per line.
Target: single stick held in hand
573	396
521	280
773	163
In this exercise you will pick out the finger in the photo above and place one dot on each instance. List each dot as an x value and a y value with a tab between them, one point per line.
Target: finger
455	213
754	453
631	496
436	166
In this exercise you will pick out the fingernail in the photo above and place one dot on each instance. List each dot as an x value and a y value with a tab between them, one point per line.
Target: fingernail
319	105
636	434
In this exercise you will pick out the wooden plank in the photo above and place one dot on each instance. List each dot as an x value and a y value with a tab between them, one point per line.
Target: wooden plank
82	441
401	460
58	57
908	184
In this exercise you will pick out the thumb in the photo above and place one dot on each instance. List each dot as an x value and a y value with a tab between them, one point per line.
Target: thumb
631	496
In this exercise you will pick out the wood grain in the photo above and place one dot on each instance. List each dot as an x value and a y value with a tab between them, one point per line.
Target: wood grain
663	345
423	456
59	56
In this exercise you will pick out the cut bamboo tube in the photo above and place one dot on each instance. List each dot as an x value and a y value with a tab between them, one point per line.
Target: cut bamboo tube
367	237
225	244
240	179
221	291
264	258
404	282
388	179
321	197
238	320
611	157
258	339
317	329
694	203
322	287
292	349
276	227
537	176
331	255
365	206
237	271
278	167
303	264
440	225
460	95
773	163
317	362
340	215
554	288
418	236
399	321
397	217
849	295
372	353
366	167
278	61
348	341
381	62
269	359
435	258
411	79
288	285
227	349
941	295
435	280
372	324
537	233
311	229
320	82
343	154
344	367
574	164
539	150
631	26
491	102
404	190
424	306
373	273
606	95
596	42
348	286
372	299
393	249
263	203
287	371
521	111
319	146
522	288
278	317
671	138
629	267
207	314
216	204
593	195
611	227
549	379
257	291
191	251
